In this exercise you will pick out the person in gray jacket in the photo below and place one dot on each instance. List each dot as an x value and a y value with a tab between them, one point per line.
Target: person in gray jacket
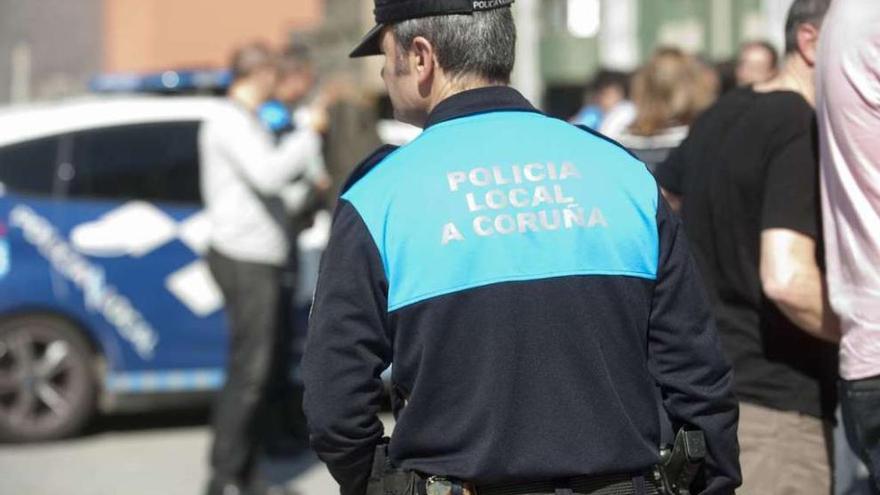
249	184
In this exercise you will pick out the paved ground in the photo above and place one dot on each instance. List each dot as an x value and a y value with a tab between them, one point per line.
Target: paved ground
137	455
164	454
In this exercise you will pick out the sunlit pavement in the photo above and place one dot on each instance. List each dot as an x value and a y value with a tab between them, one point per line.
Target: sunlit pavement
145	459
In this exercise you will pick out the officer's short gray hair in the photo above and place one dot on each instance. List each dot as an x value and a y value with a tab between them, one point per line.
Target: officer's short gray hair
481	44
803	12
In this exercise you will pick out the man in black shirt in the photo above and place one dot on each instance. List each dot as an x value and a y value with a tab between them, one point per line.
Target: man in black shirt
746	182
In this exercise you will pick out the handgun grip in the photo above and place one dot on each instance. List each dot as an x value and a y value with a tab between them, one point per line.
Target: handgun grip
694	443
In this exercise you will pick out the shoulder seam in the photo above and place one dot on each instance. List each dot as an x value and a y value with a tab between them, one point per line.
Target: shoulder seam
374	242
607	139
364	167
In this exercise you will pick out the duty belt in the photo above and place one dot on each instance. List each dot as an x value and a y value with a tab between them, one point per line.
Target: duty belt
674	475
586	485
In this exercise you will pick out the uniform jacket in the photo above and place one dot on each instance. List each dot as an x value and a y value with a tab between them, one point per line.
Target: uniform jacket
534	293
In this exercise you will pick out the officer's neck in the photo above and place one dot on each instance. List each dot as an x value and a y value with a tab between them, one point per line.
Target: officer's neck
446	87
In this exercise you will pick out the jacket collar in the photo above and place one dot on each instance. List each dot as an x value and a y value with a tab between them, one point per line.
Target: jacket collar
480	100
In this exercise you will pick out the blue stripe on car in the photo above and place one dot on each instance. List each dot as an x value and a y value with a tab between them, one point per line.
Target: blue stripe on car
165	381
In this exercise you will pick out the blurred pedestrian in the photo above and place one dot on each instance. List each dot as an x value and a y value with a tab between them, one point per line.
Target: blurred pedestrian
609	110
747	179
351	131
243	174
848	105
296	90
612	95
710	83
303	197
460	257
669	92
756	63
726	70
296	83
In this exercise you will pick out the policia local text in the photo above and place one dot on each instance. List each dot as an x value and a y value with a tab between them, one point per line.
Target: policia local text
559	211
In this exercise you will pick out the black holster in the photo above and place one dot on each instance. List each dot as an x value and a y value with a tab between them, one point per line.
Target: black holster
680	465
386	479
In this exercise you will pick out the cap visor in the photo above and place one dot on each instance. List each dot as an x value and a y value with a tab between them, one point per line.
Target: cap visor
371	44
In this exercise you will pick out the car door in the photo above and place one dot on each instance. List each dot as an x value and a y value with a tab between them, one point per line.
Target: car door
27	179
134	209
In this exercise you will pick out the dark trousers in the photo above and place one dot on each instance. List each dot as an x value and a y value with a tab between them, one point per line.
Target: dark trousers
286	422
860	403
252	294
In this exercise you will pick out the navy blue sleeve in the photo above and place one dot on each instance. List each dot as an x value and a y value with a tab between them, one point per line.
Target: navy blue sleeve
695	379
348	347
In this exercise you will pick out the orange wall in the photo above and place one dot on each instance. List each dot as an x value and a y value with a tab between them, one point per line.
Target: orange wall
148	35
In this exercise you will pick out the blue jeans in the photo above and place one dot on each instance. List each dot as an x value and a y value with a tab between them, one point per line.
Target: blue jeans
860	401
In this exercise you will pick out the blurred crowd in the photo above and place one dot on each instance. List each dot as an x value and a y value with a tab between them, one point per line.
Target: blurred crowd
737	149
650	110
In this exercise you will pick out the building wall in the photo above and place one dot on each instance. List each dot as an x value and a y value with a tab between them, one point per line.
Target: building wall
345	23
713	28
52	47
148	35
632	29
48	48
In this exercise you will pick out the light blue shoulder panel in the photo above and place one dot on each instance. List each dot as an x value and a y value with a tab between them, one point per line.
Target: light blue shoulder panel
502	197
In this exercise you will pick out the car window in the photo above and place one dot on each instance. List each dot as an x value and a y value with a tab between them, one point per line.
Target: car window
153	162
29	166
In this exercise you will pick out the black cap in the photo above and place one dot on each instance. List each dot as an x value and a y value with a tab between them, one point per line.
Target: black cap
392	11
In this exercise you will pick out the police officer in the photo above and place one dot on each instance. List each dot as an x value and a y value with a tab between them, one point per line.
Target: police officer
524	276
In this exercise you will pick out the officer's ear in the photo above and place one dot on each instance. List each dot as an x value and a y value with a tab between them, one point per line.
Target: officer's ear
424	59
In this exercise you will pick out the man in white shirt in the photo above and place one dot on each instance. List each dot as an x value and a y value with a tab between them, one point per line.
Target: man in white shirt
248	184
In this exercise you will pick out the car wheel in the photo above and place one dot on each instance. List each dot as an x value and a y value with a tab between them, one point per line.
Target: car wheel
47	379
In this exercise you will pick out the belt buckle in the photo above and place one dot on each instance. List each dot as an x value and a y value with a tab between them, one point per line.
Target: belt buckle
439	485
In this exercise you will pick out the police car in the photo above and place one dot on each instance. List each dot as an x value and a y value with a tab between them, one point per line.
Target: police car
105	304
